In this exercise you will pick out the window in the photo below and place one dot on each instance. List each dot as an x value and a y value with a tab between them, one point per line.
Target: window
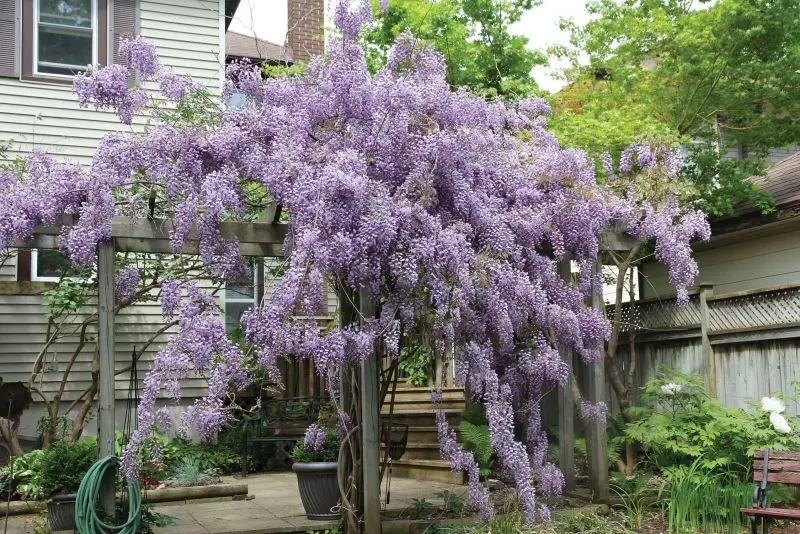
65	36
50	265
241	297
60	38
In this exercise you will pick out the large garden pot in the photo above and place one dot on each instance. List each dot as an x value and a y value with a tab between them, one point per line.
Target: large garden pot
319	488
61	512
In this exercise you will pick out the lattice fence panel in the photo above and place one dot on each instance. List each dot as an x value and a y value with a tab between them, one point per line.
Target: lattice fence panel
773	308
660	315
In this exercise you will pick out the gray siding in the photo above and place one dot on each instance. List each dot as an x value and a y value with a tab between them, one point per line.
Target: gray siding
760	262
8	269
189	38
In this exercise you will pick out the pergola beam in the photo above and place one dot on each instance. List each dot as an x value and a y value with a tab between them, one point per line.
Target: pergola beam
143	235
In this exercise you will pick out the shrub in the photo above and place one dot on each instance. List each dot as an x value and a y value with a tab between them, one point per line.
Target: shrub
679	423
319	445
415	362
61	467
703	449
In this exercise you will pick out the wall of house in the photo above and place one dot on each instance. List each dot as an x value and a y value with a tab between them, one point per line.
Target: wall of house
190	38
765	259
189	35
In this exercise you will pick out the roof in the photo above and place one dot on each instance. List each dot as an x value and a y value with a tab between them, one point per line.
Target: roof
239	45
782	181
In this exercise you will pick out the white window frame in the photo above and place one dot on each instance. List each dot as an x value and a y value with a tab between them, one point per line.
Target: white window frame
35	268
35	271
95	45
253	301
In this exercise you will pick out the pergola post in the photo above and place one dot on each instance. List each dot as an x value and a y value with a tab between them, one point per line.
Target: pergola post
566	406
106	415
596	439
370	428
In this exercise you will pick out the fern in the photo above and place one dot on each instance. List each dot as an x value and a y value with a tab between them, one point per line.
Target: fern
477	441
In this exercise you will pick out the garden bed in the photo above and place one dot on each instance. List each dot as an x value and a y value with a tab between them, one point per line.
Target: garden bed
161	495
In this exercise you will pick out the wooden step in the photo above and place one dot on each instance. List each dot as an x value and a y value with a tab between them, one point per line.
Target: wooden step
427	434
424	394
419	451
420	417
433	470
405	405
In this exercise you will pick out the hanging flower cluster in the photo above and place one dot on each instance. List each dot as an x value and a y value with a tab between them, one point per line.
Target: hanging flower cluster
445	209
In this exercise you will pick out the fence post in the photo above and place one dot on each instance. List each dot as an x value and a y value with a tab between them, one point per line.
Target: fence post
566	407
706	291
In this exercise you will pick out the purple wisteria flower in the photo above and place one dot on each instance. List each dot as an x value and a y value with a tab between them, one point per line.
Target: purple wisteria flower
127	283
314	438
446	211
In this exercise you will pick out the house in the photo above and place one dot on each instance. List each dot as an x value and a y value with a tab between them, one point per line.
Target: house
42	45
750	280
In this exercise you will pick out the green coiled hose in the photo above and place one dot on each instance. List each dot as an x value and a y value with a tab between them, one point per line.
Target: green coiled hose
86	518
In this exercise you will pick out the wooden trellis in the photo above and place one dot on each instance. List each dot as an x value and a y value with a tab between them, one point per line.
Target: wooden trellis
265	239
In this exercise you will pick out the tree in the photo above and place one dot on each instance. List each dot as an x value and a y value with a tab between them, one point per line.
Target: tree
427	208
473	37
730	65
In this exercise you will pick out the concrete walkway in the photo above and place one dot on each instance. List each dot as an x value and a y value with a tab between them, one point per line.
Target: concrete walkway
274	507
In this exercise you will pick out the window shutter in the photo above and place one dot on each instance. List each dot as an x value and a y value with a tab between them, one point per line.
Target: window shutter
124	23
10	37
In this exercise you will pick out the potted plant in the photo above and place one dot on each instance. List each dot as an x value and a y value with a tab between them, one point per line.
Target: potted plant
315	460
61	468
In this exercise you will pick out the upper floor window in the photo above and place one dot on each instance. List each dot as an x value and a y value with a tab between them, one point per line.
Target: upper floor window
60	38
52	40
65	36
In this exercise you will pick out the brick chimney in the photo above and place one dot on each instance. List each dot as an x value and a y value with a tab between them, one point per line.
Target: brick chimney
305	36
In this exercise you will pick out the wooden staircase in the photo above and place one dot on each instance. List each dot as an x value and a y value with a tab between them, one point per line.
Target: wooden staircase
413	407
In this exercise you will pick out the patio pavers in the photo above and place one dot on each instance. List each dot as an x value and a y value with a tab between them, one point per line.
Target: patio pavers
274	508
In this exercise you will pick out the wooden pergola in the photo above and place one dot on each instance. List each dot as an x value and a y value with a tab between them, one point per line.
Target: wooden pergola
264	240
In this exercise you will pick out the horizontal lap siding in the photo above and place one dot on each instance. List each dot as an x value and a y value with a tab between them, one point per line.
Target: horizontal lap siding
23	331
47	116
8	269
762	262
186	33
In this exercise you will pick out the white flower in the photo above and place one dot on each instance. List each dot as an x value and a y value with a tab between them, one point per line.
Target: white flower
671	388
772	405
779	423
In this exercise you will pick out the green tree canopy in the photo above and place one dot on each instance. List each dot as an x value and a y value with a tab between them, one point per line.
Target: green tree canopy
707	75
472	35
731	67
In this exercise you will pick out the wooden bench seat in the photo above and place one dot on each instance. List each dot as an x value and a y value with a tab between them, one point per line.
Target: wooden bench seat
778	467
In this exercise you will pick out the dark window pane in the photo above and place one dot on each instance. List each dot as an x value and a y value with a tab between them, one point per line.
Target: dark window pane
233	313
66	12
63	52
52	263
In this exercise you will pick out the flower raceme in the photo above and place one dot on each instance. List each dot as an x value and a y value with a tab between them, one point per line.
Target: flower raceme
447	210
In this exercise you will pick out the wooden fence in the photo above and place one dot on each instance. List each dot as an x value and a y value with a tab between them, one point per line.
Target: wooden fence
746	344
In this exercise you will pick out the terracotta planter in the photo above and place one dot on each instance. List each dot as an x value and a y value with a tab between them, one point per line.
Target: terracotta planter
319	489
61	512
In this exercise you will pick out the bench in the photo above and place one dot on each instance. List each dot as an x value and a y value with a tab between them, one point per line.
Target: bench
779	467
281	421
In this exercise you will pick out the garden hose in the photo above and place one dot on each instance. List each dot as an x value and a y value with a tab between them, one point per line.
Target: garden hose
86	518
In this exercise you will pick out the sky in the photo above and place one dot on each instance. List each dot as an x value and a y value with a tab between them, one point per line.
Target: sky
266	19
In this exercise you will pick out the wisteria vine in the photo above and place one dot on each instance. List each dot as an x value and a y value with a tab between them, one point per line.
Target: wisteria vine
448	210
